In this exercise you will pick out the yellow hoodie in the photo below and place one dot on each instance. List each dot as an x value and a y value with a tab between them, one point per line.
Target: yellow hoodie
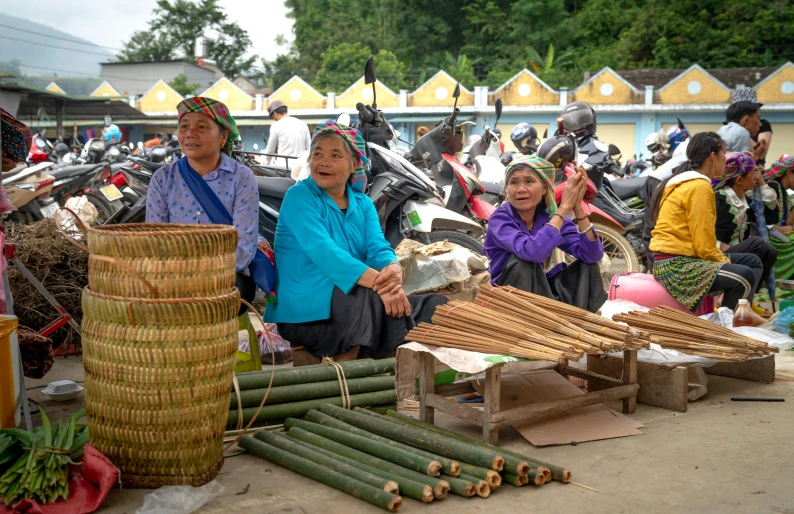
687	216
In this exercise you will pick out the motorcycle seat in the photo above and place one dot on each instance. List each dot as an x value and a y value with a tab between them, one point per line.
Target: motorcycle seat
72	171
628	188
149	165
491	188
274	187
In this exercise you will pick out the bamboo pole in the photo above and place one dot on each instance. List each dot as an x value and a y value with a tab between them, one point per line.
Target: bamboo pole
537	476
383	451
558	473
448	466
481	487
309	469
440	487
284	443
285	410
419	438
491	477
317	373
312	390
408	487
515	480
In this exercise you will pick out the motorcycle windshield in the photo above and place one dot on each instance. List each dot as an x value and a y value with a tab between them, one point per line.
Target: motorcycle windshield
399	163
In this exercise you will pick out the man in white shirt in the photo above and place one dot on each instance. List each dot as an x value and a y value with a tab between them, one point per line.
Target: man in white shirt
288	136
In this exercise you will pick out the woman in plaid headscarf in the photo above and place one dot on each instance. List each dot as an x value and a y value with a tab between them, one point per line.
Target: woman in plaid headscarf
339	284
780	177
525	231
206	135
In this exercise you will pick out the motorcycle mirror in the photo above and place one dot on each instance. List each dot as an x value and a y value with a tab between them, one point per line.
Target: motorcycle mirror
546	134
108	120
613	150
498	110
343	119
456	95
680	123
369	78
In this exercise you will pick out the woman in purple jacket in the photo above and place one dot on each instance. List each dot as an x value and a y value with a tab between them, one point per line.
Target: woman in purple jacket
523	233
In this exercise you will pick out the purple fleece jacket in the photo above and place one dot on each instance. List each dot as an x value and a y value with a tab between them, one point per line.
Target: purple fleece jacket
508	235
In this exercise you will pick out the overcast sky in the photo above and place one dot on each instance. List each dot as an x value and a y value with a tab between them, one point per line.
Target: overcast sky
111	22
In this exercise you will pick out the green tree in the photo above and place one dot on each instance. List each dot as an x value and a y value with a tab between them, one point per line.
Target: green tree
461	68
176	24
12	68
180	85
343	65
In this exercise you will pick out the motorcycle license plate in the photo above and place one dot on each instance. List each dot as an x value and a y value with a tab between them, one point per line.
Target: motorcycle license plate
49	210
111	192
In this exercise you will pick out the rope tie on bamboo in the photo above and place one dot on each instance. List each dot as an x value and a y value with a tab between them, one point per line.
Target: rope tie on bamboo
236	384
340	375
428	332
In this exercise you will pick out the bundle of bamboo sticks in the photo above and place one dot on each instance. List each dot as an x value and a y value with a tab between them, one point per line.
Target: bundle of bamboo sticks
683	332
507	321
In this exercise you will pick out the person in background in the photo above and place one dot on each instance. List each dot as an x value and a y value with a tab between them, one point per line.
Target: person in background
733	192
687	261
780	177
288	136
743	122
339	284
524	232
206	134
747	94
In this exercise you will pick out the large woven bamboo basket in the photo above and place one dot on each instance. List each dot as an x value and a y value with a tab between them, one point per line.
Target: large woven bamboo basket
182	261
158	378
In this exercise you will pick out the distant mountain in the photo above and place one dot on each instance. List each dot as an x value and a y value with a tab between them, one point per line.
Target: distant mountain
66	59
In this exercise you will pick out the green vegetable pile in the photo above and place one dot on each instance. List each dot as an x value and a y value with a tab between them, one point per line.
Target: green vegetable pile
35	465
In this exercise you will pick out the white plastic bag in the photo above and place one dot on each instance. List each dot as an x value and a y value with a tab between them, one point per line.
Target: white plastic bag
179	499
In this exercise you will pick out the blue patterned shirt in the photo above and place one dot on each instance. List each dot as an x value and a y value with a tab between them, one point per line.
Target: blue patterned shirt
169	200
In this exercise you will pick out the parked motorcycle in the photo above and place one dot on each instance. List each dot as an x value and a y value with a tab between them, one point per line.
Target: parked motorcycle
25	188
485	155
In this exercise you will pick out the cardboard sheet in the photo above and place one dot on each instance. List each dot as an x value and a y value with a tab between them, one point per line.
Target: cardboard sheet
590	423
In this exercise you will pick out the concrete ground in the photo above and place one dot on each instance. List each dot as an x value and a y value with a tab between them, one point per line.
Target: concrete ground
719	457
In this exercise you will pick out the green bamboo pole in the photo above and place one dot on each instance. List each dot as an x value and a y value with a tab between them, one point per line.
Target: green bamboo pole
311	390
424	439
489	475
284	443
460	486
408	487
480	486
448	466
286	410
376	448
515	480
382	409
318	373
440	487
537	476
558	473
338	481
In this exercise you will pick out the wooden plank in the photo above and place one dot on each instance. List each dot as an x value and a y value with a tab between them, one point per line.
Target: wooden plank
455	389
493	389
755	370
453	408
427	386
660	385
511	417
630	377
589	375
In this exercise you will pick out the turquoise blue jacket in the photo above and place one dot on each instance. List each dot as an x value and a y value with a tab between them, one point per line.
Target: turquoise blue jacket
317	247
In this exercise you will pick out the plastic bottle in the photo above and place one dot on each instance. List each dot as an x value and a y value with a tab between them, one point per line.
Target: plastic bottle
743	316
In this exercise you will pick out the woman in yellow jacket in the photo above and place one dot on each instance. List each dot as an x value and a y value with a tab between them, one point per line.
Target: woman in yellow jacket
687	260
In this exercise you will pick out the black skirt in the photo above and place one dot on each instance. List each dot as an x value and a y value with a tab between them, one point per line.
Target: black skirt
578	284
359	319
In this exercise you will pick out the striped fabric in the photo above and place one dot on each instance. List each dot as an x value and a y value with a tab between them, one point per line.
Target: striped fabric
215	110
737	164
686	279
780	167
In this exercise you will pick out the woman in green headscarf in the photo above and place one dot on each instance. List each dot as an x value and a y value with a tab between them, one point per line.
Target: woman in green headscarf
780	178
523	233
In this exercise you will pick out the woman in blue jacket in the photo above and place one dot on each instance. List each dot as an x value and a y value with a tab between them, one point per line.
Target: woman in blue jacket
339	289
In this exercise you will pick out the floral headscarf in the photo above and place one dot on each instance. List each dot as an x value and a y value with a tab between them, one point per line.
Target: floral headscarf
358	180
736	165
544	170
215	110
17	137
780	167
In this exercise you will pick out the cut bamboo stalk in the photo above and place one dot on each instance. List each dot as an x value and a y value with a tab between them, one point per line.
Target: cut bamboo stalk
537	476
461	487
383	451
408	487
309	469
490	476
481	487
419	438
286	410
312	390
448	466
440	487
318	373
515	480
284	443
558	473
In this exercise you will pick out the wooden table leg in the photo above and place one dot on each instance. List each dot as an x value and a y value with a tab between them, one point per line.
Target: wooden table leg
427	385
493	389
630	377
